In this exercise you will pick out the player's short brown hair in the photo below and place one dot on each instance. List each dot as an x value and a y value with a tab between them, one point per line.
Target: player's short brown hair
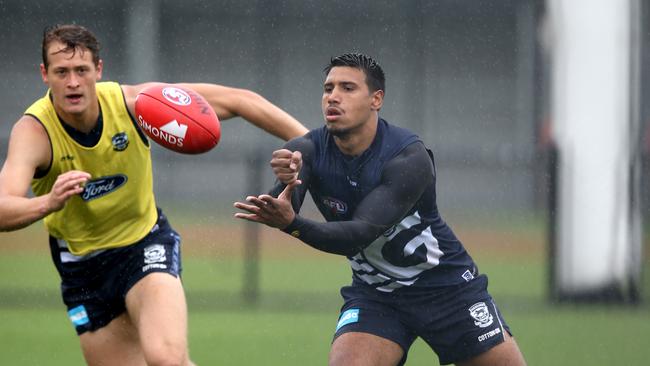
75	37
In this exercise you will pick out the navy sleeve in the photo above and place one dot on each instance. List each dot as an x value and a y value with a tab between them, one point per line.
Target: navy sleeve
404	179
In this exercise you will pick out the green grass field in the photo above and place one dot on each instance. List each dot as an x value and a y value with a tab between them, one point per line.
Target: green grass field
295	315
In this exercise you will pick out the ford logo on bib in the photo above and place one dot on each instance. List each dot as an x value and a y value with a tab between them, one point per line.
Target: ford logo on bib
102	186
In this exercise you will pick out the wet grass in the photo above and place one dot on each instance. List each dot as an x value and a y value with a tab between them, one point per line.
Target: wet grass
293	318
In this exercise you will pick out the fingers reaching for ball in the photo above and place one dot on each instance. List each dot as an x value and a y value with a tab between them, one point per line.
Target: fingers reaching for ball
268	210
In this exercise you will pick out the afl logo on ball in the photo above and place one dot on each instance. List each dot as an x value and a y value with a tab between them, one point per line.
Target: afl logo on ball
176	96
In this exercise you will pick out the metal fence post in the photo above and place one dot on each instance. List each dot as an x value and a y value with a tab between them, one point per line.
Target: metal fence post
251	286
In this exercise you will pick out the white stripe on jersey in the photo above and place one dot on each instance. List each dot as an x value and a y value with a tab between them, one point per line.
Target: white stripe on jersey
360	265
67	257
372	267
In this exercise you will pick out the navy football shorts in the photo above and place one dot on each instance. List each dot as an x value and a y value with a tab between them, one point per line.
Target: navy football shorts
458	322
94	286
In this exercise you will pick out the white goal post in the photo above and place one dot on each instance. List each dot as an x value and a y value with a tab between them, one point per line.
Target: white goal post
595	51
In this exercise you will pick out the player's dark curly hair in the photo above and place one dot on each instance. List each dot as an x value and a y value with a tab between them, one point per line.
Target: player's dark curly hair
75	37
374	74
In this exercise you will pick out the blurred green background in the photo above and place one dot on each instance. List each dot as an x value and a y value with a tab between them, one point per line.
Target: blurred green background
471	78
297	307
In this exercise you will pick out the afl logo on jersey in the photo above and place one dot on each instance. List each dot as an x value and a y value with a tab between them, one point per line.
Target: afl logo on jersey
176	96
120	141
100	187
337	207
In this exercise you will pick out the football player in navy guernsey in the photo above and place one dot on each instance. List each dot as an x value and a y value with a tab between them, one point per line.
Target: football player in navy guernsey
89	167
374	183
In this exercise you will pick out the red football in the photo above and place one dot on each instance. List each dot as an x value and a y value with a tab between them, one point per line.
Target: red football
177	118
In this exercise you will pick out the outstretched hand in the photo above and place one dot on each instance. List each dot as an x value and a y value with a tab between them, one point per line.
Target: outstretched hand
286	165
265	209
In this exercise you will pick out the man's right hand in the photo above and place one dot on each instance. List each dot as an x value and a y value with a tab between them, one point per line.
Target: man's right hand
266	209
66	185
286	165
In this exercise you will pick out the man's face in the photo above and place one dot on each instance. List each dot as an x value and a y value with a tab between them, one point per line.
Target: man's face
347	102
71	78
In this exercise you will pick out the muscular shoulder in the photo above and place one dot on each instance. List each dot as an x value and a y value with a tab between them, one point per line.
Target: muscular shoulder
414	162
30	142
30	129
130	92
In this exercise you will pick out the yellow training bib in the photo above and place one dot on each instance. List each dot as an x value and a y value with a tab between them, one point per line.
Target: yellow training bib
117	207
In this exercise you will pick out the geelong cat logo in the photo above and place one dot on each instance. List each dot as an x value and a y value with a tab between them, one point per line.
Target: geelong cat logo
481	314
102	186
120	141
154	253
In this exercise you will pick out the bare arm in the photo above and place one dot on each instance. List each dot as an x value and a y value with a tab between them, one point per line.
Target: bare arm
230	102
29	150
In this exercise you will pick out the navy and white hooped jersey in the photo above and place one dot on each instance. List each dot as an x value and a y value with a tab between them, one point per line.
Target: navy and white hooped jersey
420	250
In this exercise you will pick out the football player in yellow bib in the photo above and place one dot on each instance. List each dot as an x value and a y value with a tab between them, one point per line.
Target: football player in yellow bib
89	166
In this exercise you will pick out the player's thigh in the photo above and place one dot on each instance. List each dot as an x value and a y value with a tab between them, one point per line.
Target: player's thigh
370	330
466	323
114	344
363	349
157	307
506	353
